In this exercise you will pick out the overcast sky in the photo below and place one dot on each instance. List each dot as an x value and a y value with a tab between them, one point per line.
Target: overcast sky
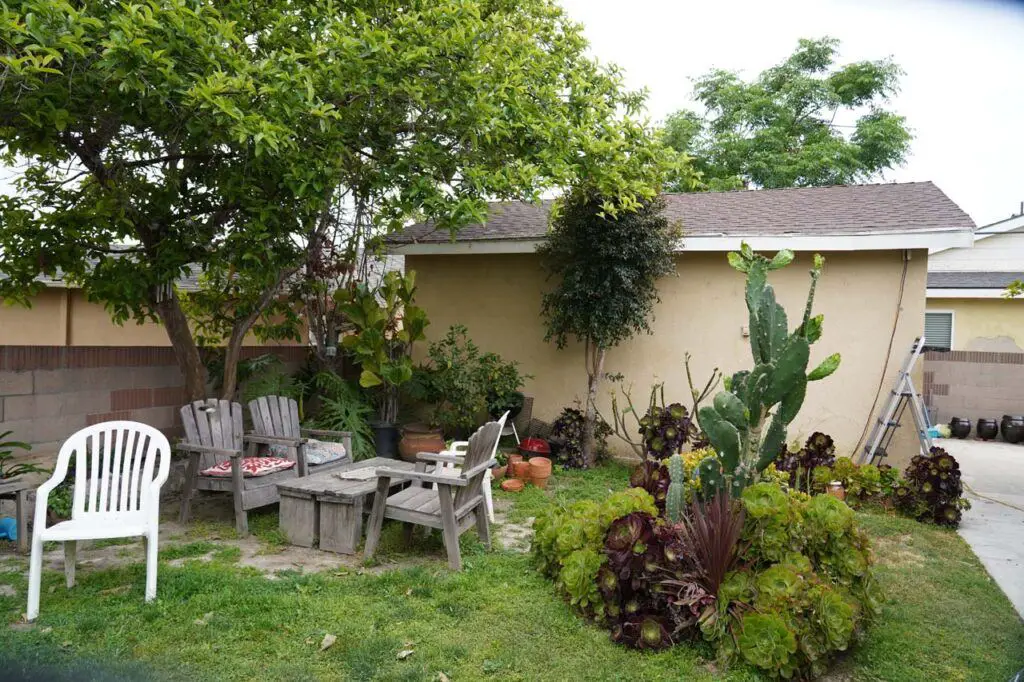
963	93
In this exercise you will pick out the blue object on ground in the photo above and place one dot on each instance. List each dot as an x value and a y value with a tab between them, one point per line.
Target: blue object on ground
933	432
8	528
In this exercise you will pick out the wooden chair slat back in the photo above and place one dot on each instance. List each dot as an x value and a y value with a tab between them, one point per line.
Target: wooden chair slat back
276	416
482	446
214	424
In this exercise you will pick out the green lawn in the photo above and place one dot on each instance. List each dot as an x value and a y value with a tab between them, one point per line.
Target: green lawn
944	620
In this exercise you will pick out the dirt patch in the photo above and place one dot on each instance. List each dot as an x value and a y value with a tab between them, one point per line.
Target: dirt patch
515	537
897	551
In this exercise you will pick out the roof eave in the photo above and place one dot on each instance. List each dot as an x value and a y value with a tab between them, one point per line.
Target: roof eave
933	292
875	241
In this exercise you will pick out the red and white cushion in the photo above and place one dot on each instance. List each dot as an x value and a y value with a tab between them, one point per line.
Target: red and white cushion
251	467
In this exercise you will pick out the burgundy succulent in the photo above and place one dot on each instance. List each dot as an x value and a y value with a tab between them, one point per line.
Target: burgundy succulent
665	430
645	631
653	477
627	542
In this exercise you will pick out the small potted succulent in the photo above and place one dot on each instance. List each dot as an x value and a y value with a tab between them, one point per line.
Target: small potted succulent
498	471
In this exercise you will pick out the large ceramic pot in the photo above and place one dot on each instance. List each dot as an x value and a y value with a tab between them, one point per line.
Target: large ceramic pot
960	427
385	439
987	429
418	438
1012	428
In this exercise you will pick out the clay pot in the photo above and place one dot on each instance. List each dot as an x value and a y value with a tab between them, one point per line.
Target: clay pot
835	489
498	472
521	470
540	467
1012	428
987	429
512	459
512	485
960	427
418	438
541	482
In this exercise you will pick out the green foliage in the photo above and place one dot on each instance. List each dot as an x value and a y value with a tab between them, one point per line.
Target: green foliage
569	542
932	490
461	383
737	423
160	139
387	324
272	378
780	129
606	269
344	408
7	448
767	643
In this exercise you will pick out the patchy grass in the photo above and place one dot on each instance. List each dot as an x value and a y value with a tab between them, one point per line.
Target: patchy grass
498	619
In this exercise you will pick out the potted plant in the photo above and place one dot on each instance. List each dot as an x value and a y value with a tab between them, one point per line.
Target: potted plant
386	325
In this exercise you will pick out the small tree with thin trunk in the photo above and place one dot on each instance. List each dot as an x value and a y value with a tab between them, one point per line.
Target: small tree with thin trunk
607	268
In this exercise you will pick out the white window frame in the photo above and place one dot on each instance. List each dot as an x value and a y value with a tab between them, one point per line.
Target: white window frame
952	324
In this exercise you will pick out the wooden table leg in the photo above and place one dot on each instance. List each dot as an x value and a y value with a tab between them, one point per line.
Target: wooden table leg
21	504
298	519
341	524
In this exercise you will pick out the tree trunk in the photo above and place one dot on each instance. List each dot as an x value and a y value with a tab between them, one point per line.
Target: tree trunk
185	349
232	353
595	370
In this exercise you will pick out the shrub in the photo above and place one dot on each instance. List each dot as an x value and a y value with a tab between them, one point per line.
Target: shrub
567	431
803	465
932	490
569	544
344	408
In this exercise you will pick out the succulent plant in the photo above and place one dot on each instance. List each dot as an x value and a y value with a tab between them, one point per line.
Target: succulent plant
568	431
747	422
652	476
676	494
932	490
627	542
665	430
818	451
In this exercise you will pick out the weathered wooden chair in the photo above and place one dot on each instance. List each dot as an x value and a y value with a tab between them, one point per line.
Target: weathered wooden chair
214	435
458	448
275	421
438	507
119	469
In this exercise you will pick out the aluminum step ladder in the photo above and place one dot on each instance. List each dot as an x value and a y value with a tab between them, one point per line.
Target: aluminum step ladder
902	396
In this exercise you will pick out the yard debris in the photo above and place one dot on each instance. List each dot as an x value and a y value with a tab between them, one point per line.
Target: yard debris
204	620
45	631
7	591
117	590
328	642
441	677
405	653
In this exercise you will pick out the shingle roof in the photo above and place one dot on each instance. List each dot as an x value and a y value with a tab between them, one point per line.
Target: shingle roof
815	211
972	280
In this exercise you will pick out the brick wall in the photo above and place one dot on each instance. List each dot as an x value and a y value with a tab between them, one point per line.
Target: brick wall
49	392
973	384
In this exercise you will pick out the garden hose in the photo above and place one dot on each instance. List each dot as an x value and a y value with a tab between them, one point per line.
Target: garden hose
992	499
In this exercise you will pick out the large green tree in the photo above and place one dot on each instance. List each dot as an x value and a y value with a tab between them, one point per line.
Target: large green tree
605	270
803	123
155	139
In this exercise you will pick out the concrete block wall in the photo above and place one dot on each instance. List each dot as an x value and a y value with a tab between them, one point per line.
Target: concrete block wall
49	392
973	384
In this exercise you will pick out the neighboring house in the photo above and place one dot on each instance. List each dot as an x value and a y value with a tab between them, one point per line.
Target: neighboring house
875	239
967	309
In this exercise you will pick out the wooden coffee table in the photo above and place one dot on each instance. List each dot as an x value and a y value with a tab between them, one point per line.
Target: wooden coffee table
327	508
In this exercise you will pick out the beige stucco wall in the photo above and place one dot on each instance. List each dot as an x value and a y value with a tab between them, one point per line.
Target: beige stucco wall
984	324
64	317
702	311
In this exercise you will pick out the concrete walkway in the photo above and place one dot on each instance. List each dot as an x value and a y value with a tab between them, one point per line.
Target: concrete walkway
994	527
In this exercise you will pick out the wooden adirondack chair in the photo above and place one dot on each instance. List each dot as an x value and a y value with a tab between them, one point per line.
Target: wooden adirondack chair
214	434
438	507
275	421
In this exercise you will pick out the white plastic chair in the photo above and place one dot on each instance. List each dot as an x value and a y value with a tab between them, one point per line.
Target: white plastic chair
119	469
458	448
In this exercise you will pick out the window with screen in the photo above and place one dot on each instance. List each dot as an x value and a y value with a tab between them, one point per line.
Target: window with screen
938	330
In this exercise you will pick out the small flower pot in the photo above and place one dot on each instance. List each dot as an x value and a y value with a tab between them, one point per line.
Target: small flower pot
498	472
512	459
540	481
540	467
521	470
836	490
960	427
987	429
512	485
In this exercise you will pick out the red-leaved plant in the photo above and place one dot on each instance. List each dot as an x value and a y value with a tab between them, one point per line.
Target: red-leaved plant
711	536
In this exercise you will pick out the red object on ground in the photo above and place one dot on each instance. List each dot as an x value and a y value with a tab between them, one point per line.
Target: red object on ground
531	447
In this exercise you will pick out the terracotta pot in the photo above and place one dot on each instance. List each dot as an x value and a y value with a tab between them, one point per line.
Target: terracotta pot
512	459
835	489
418	438
987	429
540	467
960	427
512	485
498	472
521	470
540	482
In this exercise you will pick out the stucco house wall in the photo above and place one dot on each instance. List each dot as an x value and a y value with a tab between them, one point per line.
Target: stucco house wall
991	325
702	311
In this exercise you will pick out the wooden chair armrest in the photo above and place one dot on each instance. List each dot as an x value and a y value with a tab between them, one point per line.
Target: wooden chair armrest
482	466
273	440
207	450
439	457
422	476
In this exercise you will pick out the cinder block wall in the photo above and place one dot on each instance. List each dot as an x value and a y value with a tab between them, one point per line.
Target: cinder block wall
973	384
49	392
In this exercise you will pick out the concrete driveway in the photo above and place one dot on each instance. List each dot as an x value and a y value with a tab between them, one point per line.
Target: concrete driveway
994	526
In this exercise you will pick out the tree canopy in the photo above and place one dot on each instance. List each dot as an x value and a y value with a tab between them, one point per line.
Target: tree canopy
789	126
159	139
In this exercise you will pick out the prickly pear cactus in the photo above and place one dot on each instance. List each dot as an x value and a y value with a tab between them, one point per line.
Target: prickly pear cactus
747	422
676	489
